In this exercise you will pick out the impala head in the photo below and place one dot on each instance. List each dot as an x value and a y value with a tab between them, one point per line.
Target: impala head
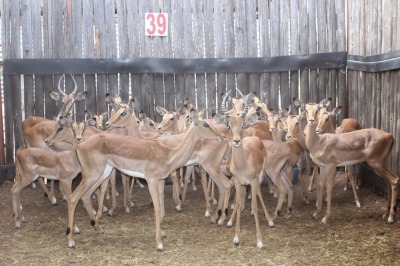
293	123
98	119
146	124
68	100
326	119
312	109
203	128
123	116
282	118
236	123
63	134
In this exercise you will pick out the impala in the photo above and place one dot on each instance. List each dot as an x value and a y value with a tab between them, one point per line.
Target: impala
34	162
331	150
246	164
36	129
326	124
207	153
140	157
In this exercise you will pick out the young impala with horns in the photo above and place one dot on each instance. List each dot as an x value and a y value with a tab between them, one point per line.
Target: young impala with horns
148	159
36	129
246	164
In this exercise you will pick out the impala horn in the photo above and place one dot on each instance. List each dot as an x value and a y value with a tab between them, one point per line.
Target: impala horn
223	105
59	86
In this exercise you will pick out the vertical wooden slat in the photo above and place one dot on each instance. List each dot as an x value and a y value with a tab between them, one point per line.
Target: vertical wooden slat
312	49
209	23
89	52
11	97
111	45
273	97
294	50
169	79
135	40
147	82
303	49
323	90
265	48
342	93
178	48
284	9
123	40
252	49
240	43
199	12
219	35
354	20
188	50
27	52
39	93
230	44
100	51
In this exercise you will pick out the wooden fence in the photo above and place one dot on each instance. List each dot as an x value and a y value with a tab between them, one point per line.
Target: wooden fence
223	30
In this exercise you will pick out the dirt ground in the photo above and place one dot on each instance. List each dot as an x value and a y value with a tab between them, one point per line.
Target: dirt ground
352	237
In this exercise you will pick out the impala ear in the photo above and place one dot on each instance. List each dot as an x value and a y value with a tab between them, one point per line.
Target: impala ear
160	110
132	105
299	103
337	110
194	116
220	119
325	103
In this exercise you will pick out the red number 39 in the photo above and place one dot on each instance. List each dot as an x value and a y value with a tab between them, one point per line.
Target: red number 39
156	24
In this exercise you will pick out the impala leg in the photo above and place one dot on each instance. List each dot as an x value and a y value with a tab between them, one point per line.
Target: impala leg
186	179
392	182
203	180
50	196
125	184
177	191
290	174
113	193
103	189
16	199
236	239
302	164
152	184
194	187
330	173
255	188
320	189
351	177
266	214
84	190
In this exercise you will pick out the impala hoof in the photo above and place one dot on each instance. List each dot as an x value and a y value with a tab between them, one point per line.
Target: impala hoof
229	223
324	220
71	244
236	241
259	244
160	247
358	204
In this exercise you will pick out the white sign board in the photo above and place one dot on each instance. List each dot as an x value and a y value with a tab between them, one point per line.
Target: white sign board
156	24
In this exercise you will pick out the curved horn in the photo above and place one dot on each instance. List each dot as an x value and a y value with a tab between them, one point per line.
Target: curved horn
75	85
223	105
59	85
247	103
240	93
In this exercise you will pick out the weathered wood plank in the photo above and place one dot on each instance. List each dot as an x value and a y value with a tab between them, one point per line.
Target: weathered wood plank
294	50
312	48
303	49
210	46
285	99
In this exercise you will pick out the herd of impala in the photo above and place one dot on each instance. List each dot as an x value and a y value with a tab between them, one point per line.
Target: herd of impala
243	146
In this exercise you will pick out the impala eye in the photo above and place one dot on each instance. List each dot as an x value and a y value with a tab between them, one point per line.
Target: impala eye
60	128
151	124
123	113
172	119
206	125
228	126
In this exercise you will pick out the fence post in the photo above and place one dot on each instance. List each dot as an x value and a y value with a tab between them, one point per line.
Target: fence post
2	157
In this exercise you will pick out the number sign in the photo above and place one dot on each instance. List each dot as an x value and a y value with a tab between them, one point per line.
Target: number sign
156	24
